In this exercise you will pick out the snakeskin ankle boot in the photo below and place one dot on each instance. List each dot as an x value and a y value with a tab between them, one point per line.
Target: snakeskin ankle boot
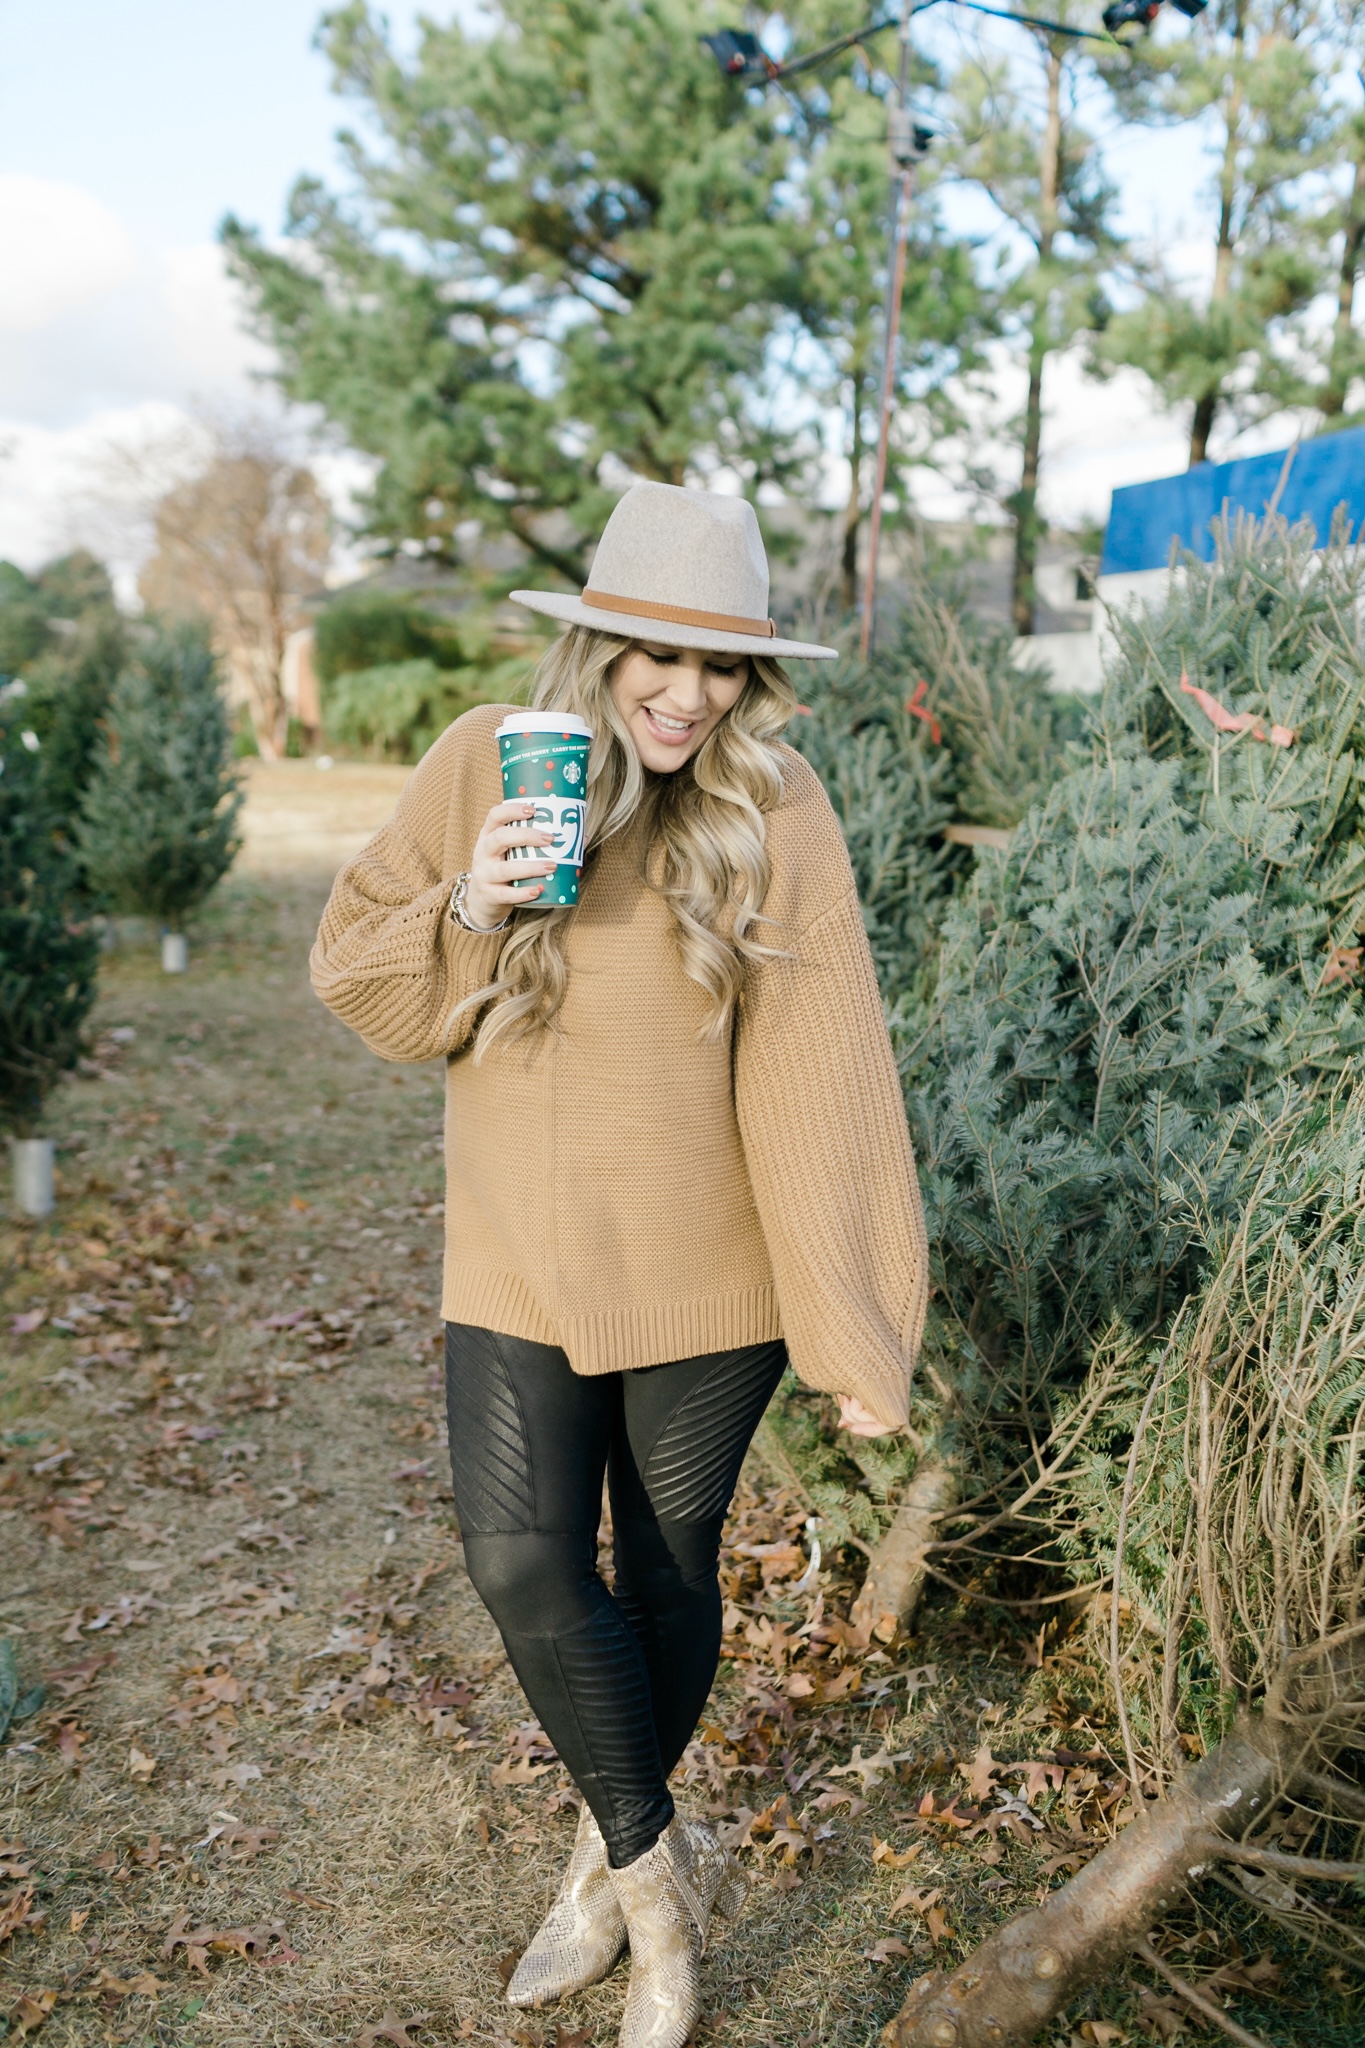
582	1937
667	1897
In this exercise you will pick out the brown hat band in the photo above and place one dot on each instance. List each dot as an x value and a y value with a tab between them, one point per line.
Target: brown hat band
678	615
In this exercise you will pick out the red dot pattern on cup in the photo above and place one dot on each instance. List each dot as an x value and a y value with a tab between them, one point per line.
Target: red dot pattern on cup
521	790
548	783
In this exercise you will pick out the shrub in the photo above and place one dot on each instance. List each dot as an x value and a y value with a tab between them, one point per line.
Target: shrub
158	822
393	713
48	957
367	629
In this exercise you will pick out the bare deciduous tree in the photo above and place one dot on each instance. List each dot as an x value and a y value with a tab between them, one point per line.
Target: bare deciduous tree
244	540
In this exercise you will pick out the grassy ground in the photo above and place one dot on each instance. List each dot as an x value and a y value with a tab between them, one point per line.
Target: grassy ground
284	1788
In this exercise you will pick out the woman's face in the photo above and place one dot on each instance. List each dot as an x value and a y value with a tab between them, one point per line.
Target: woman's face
671	698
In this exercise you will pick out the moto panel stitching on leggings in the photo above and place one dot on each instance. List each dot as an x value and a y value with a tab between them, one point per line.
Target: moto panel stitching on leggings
489	1442
693	1463
606	1769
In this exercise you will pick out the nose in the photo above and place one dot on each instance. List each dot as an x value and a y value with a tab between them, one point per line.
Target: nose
686	687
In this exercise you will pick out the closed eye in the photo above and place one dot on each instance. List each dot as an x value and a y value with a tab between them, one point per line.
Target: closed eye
665	658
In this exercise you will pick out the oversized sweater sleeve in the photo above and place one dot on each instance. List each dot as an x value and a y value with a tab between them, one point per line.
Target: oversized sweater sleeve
389	959
828	1151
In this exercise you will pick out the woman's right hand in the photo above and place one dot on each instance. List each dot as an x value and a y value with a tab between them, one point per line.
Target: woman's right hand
490	894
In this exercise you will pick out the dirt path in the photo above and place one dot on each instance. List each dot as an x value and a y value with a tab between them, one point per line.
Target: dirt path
283	1788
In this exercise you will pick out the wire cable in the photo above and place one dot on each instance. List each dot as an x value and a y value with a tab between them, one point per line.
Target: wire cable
774	72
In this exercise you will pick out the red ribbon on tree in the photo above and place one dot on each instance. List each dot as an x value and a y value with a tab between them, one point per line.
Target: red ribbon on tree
917	708
1224	720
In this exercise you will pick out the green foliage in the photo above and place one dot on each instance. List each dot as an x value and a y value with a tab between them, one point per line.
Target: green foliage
1001	740
579	244
375	628
1155	952
1259	76
395	711
158	821
63	640
48	958
70	689
1098	1029
23	621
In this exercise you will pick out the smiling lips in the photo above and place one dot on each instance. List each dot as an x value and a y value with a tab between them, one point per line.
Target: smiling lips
673	732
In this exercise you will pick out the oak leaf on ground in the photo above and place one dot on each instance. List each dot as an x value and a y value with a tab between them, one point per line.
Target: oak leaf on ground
391	2028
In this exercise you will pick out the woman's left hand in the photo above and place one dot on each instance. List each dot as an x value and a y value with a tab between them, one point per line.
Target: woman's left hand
859	1421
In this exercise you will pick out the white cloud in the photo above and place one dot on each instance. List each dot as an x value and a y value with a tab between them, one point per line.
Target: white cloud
60	249
49	496
206	314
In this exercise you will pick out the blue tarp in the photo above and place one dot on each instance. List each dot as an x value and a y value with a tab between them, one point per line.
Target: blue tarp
1322	473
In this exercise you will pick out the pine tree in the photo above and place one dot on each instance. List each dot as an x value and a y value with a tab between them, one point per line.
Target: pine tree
48	956
1258	73
1170	938
1021	139
158	822
1087	1020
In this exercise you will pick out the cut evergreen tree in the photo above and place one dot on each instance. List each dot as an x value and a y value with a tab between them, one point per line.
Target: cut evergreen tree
48	956
1221	1490
63	642
1145	1329
942	733
159	818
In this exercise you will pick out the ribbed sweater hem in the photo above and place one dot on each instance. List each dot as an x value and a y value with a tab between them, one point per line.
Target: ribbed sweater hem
614	1340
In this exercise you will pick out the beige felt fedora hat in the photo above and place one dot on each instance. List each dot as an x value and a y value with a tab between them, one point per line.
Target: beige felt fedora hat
681	569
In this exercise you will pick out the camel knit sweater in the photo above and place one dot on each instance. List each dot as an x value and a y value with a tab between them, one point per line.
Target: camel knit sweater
617	1185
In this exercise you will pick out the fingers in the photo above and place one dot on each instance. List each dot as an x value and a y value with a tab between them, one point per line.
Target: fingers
503	836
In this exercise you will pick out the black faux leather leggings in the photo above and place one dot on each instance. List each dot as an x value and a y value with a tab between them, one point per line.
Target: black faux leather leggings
617	1680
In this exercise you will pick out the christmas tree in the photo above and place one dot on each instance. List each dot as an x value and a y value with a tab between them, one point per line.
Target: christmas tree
48	957
158	820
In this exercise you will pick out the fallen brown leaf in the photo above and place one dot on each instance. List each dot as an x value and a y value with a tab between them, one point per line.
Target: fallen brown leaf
15	1910
886	1951
936	1920
248	1942
883	1853
980	1774
919	1898
33	2008
239	1843
140	1765
391	2028
519	1771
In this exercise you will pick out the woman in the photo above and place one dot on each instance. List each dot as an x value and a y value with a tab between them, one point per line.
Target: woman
676	1158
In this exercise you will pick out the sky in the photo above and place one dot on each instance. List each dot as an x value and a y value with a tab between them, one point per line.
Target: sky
126	133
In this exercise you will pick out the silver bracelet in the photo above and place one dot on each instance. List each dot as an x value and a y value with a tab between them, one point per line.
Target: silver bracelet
461	915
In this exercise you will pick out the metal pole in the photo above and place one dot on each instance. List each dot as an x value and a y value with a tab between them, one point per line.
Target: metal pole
904	151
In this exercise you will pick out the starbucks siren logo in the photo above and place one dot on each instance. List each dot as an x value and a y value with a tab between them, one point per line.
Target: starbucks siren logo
572	772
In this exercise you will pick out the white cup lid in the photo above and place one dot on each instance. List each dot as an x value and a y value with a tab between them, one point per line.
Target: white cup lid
544	721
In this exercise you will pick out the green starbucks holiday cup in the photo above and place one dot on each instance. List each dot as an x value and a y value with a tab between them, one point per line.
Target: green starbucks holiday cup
545	758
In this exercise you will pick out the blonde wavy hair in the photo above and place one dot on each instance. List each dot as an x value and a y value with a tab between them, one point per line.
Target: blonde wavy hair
707	817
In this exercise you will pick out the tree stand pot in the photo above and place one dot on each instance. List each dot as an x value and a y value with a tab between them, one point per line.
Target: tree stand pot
34	1192
175	953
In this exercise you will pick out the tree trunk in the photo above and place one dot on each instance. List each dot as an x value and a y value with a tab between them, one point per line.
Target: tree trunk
1025	1974
1202	426
1026	498
896	1573
1023	593
1206	406
853	510
1353	245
